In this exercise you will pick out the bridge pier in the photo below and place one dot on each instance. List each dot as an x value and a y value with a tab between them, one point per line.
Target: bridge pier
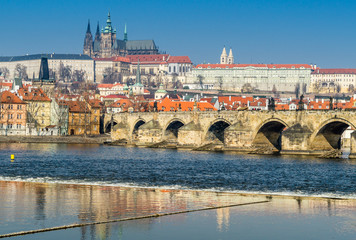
295	140
353	145
238	137
149	133
190	135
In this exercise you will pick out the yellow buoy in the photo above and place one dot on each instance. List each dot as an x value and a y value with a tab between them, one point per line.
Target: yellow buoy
12	157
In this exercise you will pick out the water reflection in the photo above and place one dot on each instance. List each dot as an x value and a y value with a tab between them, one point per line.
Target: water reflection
48	205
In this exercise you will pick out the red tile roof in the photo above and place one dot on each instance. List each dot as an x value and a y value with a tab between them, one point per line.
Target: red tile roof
149	59
168	105
179	59
33	94
335	71
254	65
105	85
115	96
78	107
124	104
114	59
10	98
5	84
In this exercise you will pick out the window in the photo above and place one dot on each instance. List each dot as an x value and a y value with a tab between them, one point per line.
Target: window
42	121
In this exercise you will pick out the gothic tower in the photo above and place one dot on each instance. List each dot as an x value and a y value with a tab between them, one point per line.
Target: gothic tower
230	58
97	40
223	57
108	39
88	42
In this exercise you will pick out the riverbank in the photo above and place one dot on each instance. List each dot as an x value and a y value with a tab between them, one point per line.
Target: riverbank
95	139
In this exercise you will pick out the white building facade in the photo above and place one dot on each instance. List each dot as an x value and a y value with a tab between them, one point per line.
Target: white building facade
333	81
33	62
262	77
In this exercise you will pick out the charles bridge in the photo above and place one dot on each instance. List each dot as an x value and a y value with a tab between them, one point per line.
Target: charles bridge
288	132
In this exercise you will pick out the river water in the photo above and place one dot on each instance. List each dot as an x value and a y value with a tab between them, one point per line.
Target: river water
50	185
142	167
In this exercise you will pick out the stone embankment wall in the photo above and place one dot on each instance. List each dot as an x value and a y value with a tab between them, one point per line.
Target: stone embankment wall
99	139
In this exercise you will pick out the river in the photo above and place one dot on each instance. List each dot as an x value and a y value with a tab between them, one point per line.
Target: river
53	185
172	169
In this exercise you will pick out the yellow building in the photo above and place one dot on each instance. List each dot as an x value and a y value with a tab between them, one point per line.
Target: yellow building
84	117
38	107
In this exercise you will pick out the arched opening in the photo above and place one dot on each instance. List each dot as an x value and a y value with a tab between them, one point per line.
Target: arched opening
171	131
329	136
269	135
108	126
216	131
135	129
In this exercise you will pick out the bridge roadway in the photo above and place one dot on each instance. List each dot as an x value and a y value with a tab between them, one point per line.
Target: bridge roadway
288	132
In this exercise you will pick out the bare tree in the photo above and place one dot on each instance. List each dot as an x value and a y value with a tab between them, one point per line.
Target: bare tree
247	88
201	81
338	88
60	112
4	71
110	76
297	90
65	72
21	71
78	75
304	88
351	88
317	87
220	83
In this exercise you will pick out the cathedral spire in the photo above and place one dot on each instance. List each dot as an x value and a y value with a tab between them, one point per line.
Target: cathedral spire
88	29
97	30
88	42
125	34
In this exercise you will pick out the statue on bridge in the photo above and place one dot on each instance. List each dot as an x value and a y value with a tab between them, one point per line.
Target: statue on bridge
301	103
271	104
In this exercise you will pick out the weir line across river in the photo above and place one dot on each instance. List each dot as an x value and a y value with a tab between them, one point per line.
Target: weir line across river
288	132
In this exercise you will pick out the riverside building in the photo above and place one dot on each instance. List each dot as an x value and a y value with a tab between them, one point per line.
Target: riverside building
333	80
249	77
33	62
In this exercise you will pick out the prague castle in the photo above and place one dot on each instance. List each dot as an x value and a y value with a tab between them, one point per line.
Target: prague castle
105	43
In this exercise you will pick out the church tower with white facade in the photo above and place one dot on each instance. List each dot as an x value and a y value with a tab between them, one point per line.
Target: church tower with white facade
230	58
223	57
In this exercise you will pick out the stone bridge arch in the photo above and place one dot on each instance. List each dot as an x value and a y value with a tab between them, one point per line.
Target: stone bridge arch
215	130
170	130
327	135
269	133
137	124
109	125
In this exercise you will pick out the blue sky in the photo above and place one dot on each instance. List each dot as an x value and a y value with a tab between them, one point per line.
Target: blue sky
274	31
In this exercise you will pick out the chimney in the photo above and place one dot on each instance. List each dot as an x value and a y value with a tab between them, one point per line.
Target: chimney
29	89
230	98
